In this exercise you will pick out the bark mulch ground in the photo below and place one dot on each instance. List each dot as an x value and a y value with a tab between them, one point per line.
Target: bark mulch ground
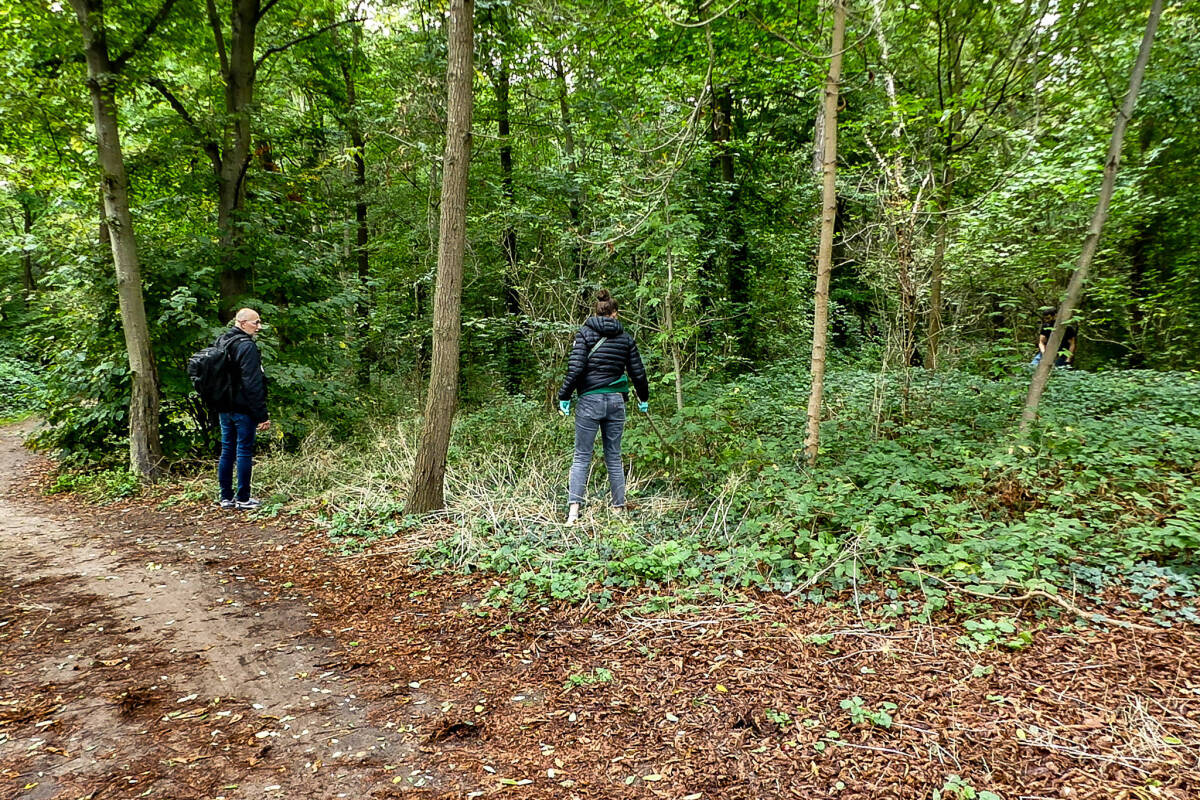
761	699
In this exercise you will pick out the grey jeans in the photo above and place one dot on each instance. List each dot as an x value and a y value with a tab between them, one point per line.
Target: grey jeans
606	413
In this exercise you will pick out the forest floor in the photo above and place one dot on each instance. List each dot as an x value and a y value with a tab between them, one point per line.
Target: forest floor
175	651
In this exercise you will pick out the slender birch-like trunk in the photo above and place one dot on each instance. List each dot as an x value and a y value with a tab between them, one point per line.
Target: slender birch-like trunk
669	316
828	217
1075	288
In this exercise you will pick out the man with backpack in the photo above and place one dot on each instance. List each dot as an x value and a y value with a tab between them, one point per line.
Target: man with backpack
242	408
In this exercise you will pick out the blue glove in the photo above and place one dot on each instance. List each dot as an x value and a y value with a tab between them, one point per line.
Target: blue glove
564	407
644	407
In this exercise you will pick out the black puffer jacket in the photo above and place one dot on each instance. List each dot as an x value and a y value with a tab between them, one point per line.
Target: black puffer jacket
618	355
249	381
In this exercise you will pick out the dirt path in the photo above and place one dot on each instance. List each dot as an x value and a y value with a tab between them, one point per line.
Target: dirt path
140	663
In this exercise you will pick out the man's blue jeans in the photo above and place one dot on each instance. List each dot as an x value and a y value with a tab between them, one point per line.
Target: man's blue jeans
604	413
237	440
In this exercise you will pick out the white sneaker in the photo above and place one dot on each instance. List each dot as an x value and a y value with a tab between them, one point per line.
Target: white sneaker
228	504
248	505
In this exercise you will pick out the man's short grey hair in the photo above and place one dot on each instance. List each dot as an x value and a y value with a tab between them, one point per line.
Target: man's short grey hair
244	314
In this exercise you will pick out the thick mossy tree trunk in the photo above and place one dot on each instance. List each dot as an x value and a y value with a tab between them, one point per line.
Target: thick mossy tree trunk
828	218
145	451
1075	289
429	472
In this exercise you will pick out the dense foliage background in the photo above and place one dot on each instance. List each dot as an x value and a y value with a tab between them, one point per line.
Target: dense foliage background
665	151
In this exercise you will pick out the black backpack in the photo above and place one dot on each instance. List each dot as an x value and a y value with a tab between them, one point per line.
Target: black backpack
211	373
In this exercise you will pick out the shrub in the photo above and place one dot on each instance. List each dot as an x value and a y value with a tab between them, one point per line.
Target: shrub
18	386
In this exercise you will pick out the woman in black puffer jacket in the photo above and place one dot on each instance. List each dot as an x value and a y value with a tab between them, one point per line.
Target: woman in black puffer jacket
600	359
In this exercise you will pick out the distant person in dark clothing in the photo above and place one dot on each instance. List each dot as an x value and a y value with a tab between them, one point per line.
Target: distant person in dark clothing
246	414
1066	350
601	358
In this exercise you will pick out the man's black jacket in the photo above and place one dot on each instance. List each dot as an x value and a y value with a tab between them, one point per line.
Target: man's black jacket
618	355
249	382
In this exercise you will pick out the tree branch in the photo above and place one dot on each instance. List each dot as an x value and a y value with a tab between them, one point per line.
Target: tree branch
140	42
1029	594
50	133
262	12
208	145
214	22
270	51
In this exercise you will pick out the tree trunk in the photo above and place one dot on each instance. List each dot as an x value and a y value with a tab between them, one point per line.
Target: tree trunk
145	452
28	279
935	326
506	175
362	259
950	131
574	203
429	471
828	217
1139	290
737	274
952	36
899	209
908	293
230	156
1090	243
669	314
514	360
103	235
239	71
818	159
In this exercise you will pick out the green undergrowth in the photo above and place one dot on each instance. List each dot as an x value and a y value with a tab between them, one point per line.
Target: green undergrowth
103	486
921	484
18	384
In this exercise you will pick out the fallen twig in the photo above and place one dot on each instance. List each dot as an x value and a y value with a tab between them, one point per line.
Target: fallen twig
1124	761
1032	593
876	749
